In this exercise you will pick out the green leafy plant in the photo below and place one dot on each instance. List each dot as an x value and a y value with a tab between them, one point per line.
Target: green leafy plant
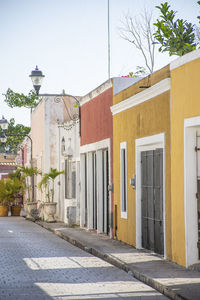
9	190
48	183
20	100
14	141
28	173
175	36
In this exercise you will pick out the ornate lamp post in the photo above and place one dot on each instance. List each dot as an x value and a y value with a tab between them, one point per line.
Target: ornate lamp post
4	124
4	135
37	78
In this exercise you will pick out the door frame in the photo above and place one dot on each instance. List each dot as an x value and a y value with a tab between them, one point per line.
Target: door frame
97	147
145	144
190	190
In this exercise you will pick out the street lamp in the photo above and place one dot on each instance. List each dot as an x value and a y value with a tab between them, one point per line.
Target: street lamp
4	124
6	148
4	135
4	127
3	139
37	78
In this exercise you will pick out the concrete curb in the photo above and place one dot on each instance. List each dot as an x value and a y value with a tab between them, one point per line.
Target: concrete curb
117	263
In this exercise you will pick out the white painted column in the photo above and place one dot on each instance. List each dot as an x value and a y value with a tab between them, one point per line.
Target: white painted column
190	183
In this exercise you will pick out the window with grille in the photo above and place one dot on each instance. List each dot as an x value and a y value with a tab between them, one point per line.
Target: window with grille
123	179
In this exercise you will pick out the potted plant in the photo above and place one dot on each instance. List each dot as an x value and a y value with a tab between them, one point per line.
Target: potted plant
4	203
48	182
30	205
16	205
9	188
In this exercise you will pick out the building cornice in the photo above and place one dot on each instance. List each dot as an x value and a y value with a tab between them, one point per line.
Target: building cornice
95	146
147	94
96	92
180	61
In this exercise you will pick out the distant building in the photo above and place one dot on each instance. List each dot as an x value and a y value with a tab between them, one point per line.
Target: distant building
7	165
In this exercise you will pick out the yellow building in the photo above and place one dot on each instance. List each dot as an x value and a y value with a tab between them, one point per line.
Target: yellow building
156	162
141	132
185	158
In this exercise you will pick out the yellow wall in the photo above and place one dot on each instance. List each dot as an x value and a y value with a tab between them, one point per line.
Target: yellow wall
185	103
147	81
146	119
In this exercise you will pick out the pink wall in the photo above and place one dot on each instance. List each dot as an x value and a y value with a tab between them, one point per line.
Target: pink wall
96	119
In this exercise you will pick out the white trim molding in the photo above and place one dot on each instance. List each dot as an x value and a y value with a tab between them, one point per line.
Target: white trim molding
96	92
147	94
180	61
95	146
86	152
145	144
191	126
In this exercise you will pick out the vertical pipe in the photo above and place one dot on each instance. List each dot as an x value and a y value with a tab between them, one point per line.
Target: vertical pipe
108	39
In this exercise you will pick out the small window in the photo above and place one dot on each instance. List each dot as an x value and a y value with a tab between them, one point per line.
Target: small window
123	179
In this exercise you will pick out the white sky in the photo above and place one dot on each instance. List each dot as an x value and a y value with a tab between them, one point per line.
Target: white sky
67	39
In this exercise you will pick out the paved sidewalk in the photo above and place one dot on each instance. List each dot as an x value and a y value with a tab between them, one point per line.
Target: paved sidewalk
168	278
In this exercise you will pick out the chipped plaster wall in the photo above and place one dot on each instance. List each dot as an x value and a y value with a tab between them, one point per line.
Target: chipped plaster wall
45	133
71	207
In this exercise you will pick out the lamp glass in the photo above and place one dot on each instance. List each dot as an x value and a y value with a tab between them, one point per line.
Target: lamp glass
7	148
3	139
4	126
37	80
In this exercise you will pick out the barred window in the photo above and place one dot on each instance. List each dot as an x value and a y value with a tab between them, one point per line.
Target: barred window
123	181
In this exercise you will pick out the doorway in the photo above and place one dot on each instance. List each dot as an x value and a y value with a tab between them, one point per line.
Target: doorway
150	143
152	200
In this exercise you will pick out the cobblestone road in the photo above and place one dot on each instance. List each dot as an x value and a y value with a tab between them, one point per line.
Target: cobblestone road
36	264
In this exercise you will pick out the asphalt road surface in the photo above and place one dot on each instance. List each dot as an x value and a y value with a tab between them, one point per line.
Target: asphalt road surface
35	264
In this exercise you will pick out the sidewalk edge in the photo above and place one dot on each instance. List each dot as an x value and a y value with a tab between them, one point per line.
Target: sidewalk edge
117	263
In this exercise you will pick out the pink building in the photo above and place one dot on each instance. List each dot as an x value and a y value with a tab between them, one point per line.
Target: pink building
96	152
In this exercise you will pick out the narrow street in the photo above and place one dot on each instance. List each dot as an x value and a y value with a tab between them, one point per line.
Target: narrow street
36	264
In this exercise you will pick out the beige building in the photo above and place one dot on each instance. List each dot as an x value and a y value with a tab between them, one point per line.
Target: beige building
54	126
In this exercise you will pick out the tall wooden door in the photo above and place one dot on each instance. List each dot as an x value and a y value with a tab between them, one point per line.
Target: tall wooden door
105	163
94	176
152	200
197	149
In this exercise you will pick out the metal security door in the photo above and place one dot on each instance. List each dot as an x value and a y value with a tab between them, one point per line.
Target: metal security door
152	200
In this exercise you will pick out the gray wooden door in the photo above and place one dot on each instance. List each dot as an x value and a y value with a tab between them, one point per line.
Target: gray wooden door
152	200
94	176
197	149
106	224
